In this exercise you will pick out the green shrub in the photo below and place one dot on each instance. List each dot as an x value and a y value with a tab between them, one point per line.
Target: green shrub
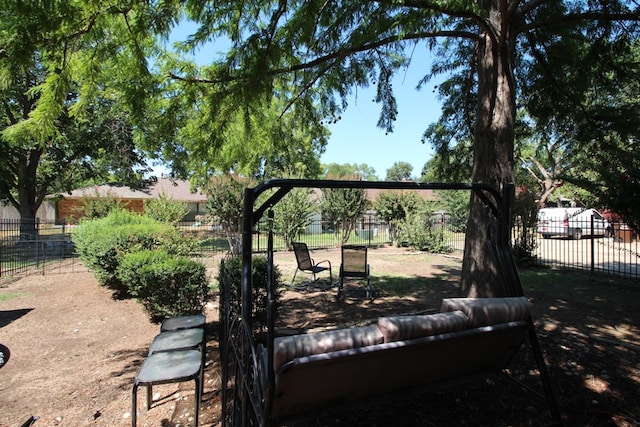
393	207
166	286
233	267
419	232
177	242
524	243
165	209
129	269
102	243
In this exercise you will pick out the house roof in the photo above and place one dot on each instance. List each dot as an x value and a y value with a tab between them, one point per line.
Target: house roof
175	189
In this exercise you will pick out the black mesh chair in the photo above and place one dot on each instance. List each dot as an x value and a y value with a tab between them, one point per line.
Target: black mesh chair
354	264
307	264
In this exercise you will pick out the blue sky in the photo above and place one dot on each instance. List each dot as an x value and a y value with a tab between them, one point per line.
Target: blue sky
356	138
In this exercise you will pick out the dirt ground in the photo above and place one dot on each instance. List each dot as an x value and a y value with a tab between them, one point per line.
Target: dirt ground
74	351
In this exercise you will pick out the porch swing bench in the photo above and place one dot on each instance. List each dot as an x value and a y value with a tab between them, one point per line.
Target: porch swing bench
314	372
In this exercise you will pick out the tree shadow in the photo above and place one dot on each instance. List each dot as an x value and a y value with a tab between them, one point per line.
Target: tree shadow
588	330
133	359
318	307
8	316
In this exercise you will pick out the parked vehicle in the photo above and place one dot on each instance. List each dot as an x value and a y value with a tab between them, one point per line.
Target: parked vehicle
622	232
572	222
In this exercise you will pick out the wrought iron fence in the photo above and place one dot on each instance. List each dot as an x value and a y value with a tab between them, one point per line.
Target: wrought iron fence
35	246
321	235
613	252
31	245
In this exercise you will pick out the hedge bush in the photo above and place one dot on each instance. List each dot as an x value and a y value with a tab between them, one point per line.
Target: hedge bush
420	233
102	243
166	286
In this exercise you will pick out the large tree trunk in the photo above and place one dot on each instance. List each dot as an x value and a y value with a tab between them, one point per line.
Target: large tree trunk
28	198
492	153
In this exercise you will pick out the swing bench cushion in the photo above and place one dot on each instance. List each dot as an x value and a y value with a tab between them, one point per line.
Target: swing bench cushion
456	314
468	337
292	347
398	328
489	311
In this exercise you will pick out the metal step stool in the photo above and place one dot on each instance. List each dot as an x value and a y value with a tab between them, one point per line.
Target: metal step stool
168	367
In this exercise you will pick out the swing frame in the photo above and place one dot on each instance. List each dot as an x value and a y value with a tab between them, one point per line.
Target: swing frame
247	381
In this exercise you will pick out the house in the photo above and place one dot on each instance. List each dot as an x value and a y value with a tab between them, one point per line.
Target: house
68	204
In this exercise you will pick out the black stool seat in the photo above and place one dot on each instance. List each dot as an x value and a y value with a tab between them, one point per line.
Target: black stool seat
168	367
183	339
183	322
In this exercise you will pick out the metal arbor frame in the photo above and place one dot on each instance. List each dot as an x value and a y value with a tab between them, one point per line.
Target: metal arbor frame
246	388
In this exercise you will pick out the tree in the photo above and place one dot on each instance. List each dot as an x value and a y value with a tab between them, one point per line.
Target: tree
313	53
59	123
525	212
293	214
546	175
447	167
393	207
456	205
399	171
200	134
224	203
610	167
361	171
617	180
342	207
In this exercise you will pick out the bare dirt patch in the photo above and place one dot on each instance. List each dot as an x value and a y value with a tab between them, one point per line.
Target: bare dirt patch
75	351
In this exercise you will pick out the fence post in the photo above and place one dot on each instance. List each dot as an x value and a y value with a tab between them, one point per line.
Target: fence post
593	248
37	241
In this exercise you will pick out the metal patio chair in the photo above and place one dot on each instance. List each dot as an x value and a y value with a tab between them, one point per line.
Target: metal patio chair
354	264
307	264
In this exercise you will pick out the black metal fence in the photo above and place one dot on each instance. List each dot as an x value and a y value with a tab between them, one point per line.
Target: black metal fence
321	235
29	245
35	246
614	253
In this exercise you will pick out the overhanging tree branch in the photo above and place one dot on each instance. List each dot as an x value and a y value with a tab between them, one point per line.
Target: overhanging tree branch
559	88
339	54
582	17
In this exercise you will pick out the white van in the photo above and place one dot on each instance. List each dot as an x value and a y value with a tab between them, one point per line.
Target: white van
572	222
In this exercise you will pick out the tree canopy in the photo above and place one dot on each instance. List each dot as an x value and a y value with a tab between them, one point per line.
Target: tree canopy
312	54
62	120
359	171
399	171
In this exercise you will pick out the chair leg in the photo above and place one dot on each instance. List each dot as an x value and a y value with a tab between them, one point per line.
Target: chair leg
134	405
204	359
149	396
197	398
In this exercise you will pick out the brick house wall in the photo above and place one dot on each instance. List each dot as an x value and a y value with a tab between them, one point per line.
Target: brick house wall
68	210
68	206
